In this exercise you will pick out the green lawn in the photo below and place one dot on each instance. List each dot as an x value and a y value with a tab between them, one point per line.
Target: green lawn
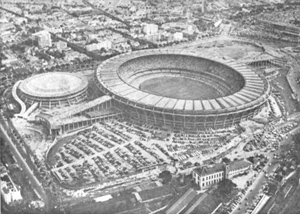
179	88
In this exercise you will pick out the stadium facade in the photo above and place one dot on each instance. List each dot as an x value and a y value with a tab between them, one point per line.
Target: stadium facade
241	92
53	89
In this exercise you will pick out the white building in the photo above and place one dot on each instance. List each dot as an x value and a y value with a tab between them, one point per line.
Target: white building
97	46
150	29
206	177
51	28
200	4
178	36
61	45
20	20
44	39
154	37
190	29
91	36
9	191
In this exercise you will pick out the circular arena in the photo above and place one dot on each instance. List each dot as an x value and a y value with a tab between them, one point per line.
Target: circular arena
53	89
182	89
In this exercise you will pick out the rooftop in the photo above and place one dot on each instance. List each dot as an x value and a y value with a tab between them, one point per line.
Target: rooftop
203	171
54	84
103	112
254	91
238	164
65	115
154	193
182	202
219	167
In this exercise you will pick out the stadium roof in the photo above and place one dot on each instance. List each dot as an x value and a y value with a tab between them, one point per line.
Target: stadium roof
254	91
53	84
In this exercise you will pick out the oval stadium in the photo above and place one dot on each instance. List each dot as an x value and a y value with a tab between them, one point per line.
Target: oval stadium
53	89
182	89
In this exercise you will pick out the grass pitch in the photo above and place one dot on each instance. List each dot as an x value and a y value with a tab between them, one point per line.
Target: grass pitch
179	88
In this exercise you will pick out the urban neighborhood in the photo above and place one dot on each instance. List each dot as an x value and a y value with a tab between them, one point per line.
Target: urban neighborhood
148	106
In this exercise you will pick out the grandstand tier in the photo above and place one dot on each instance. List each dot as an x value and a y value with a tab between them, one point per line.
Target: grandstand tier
240	92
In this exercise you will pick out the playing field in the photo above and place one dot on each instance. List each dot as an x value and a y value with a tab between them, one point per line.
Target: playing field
179	88
238	51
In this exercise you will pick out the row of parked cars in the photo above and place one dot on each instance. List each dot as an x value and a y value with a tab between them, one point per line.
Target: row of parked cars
254	204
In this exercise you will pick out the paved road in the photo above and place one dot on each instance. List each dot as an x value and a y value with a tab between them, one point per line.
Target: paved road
294	116
254	189
16	97
293	75
33	180
257	184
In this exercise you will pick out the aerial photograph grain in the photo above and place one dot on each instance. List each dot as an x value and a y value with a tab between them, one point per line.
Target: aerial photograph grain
150	106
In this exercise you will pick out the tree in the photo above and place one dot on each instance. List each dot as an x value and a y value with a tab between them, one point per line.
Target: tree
42	70
103	50
166	176
226	160
225	188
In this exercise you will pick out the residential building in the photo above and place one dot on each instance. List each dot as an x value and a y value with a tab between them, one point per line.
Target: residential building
5	78
200	4
44	39
150	29
97	46
178	36
238	167
7	27
9	191
61	45
51	27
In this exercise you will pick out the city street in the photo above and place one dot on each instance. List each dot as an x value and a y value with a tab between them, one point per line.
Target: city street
33	180
255	187
123	106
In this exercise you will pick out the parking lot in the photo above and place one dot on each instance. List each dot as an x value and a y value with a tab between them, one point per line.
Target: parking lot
114	149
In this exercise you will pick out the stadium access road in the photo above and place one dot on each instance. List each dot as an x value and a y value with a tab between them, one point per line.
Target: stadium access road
33	180
255	188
